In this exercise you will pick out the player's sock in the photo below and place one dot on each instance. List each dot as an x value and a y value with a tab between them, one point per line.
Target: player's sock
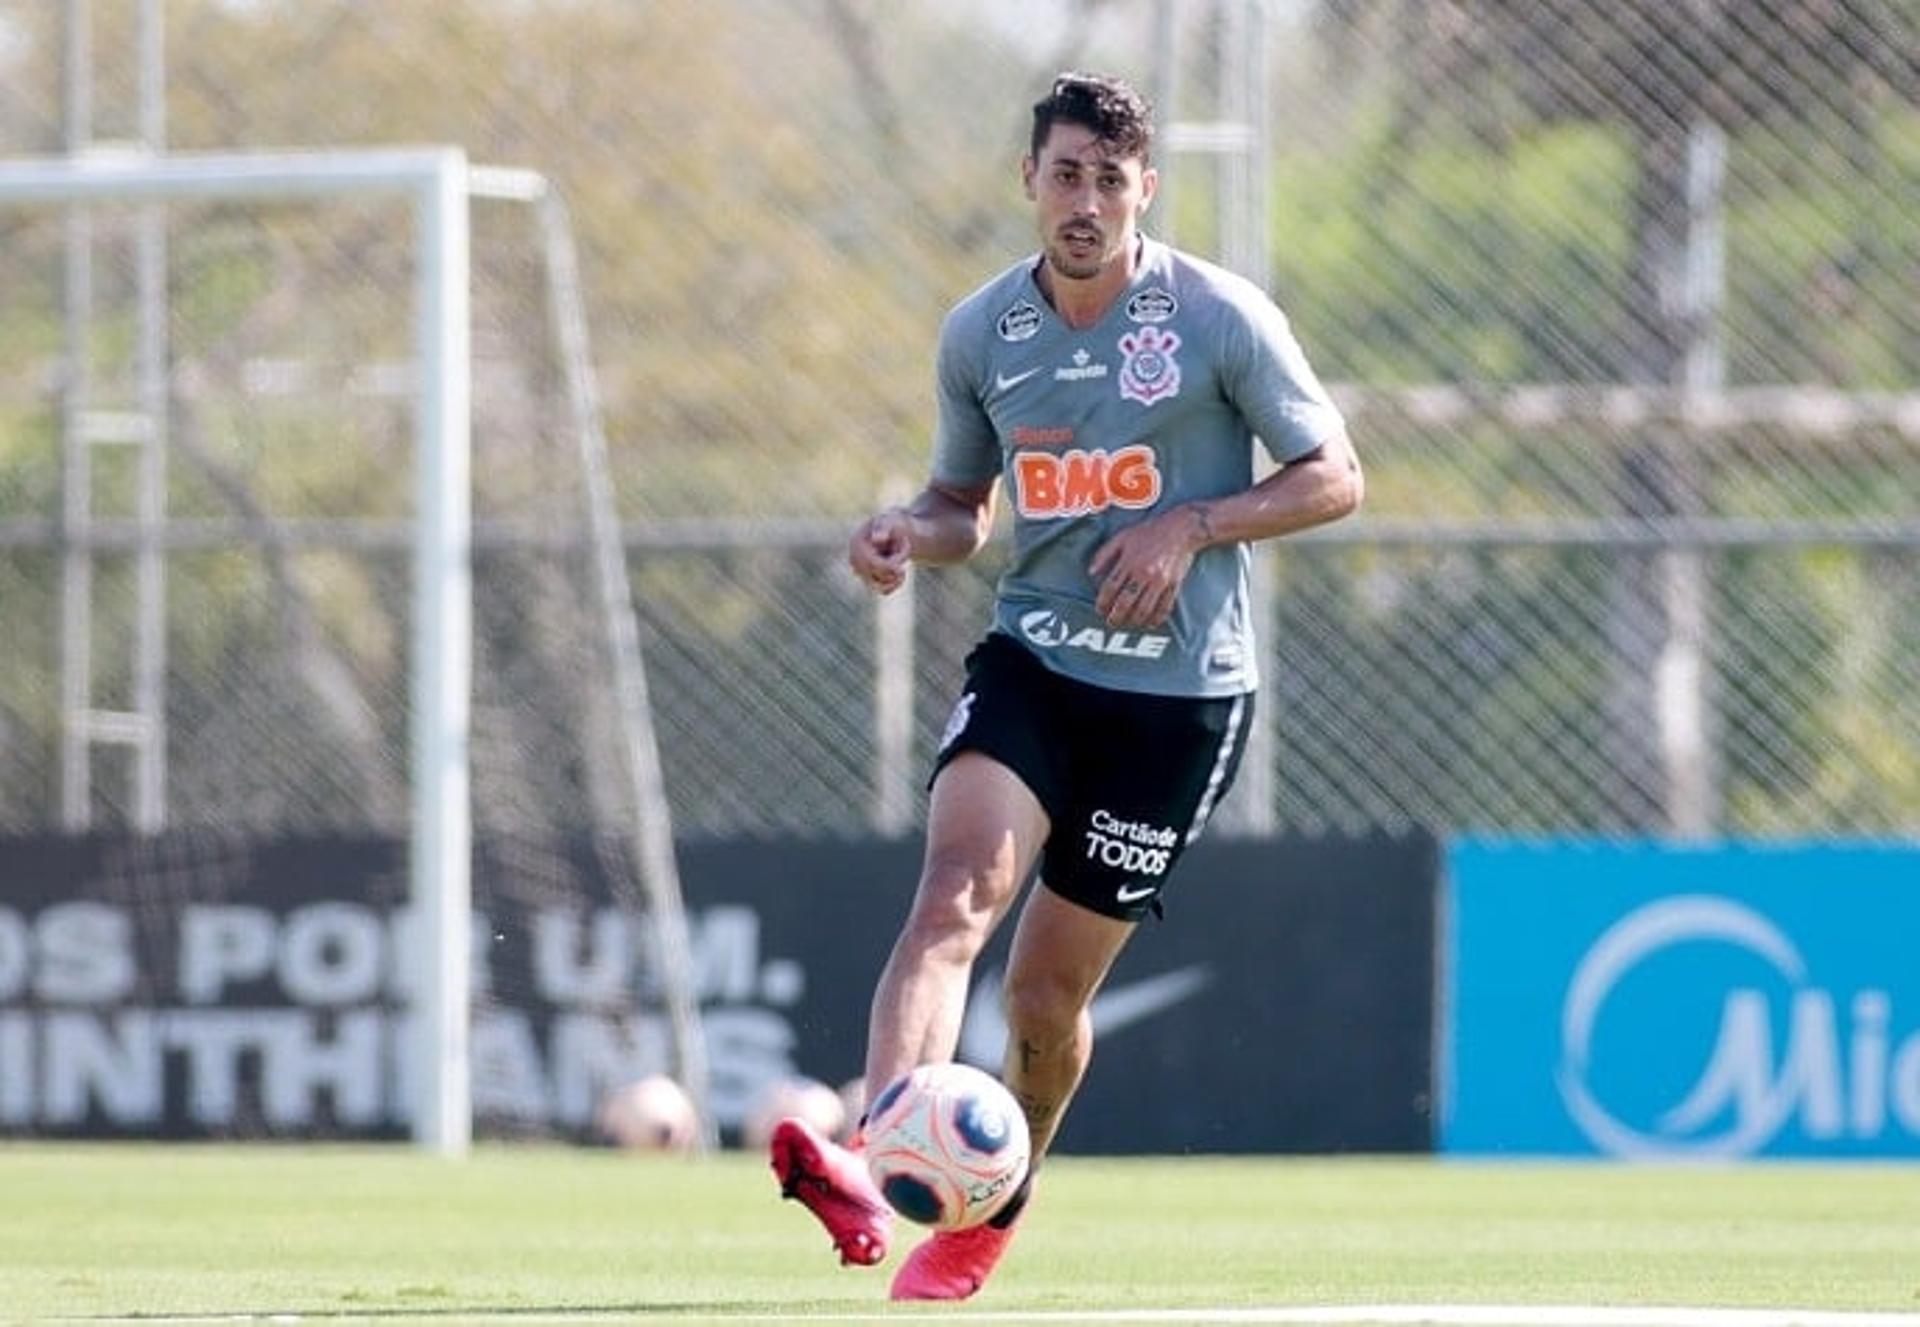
1017	1204
832	1182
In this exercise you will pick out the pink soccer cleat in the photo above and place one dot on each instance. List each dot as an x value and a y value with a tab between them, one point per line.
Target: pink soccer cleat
832	1182
953	1264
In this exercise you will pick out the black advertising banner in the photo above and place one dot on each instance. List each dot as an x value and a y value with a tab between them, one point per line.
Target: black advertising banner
198	986
187	986
1285	1004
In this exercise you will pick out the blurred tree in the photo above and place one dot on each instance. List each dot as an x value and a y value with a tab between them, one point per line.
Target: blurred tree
763	291
1676	81
1813	70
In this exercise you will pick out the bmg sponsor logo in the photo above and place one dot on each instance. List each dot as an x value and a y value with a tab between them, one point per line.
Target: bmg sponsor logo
1782	1052
1075	483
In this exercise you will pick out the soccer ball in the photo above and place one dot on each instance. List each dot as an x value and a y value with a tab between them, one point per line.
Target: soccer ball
651	1114
947	1144
807	1098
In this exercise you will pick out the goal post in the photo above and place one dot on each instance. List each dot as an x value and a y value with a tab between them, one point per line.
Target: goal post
435	181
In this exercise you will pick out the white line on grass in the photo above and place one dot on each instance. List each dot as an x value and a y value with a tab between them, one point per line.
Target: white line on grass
1357	1315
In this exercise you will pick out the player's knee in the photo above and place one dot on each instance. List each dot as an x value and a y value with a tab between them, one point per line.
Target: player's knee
1042	1012
955	907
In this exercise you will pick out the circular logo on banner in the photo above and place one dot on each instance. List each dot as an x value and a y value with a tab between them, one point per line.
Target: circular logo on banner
1743	1094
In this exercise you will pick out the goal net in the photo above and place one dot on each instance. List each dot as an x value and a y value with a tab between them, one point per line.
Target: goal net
335	614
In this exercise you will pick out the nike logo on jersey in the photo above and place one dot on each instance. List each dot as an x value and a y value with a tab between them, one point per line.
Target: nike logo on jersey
1006	382
1133	893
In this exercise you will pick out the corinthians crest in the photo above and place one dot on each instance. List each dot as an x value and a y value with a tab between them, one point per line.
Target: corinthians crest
1149	372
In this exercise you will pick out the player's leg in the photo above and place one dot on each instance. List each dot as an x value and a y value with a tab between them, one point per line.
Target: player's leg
984	829
1147	772
1062	952
1150	770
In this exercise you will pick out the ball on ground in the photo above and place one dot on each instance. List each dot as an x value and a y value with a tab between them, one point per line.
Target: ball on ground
651	1114
805	1098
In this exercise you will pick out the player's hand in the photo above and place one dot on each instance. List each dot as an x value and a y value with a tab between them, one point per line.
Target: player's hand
1141	569
880	549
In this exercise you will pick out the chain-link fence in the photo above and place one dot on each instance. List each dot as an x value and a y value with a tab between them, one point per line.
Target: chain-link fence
1619	298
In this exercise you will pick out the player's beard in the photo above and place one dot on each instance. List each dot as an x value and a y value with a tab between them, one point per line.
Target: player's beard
1088	261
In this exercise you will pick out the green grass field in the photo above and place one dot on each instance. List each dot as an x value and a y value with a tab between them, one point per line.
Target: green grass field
525	1235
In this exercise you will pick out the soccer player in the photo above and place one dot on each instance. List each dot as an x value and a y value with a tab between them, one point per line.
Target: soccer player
1114	387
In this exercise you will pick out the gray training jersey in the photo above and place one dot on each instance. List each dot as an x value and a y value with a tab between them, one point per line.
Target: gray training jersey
1091	431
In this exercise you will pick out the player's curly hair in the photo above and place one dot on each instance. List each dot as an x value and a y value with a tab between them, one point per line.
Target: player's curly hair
1110	107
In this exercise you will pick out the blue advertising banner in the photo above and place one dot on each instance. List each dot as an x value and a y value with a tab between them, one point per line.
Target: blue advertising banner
1672	1002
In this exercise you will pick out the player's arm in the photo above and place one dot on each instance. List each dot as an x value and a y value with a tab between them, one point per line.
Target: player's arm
1324	485
943	523
1141	569
949	519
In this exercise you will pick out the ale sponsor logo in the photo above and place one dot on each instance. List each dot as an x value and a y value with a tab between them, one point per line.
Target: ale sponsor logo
1049	630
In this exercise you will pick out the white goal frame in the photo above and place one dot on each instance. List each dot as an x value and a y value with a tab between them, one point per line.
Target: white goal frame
435	180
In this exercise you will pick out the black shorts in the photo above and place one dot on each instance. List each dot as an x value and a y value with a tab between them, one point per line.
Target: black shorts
1127	779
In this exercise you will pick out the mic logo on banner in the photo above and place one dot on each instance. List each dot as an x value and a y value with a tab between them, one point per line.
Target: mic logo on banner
1836	1084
